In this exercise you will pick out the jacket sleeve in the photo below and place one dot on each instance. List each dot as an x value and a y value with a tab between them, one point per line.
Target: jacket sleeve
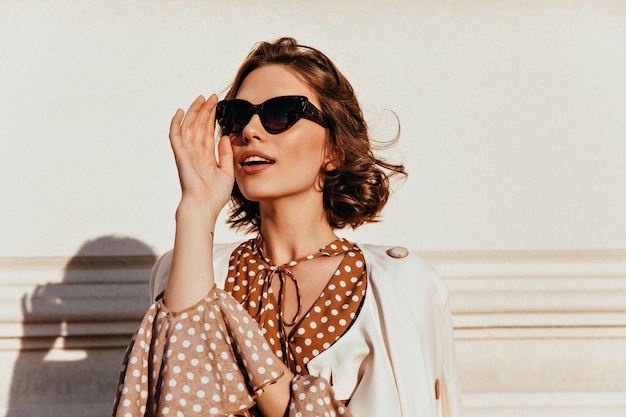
159	275
451	405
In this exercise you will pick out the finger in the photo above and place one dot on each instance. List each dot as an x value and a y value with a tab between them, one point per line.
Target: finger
175	127
205	122
188	125
225	154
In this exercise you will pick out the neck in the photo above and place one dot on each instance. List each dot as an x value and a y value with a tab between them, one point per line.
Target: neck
292	231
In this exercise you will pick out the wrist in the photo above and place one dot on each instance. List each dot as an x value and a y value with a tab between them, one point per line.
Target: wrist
200	215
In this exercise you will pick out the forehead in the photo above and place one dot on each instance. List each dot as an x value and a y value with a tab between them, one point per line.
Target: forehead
271	81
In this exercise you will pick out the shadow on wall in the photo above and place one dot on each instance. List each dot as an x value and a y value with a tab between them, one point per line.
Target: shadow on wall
76	331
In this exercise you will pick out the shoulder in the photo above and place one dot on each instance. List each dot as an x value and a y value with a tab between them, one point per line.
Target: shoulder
400	269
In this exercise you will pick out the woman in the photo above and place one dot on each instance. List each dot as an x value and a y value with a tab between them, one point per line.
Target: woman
296	320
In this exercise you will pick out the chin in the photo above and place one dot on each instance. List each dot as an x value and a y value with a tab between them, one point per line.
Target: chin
256	194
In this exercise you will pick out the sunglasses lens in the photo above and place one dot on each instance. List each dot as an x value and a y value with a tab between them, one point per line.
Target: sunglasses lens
281	113
233	115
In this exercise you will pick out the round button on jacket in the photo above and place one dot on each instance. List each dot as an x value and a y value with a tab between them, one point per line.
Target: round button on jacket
398	252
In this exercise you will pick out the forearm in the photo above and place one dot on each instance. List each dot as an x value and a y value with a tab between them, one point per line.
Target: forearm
191	275
275	397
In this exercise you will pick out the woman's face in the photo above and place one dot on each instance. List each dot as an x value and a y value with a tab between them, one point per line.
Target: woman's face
284	165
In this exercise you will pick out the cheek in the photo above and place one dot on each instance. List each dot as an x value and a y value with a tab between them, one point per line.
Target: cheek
313	149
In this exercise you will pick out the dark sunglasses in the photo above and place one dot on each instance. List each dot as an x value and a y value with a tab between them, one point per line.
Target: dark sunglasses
277	114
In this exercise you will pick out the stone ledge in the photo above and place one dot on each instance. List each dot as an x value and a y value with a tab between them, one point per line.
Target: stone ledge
556	404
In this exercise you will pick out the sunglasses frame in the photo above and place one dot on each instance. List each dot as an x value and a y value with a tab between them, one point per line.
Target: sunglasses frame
306	111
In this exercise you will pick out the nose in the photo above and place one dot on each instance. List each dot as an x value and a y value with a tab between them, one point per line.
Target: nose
253	130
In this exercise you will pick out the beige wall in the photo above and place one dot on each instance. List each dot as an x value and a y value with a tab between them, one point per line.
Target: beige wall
513	132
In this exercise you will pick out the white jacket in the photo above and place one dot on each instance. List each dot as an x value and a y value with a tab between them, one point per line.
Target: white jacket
398	357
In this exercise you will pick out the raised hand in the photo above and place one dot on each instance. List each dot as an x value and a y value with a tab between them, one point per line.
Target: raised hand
205	181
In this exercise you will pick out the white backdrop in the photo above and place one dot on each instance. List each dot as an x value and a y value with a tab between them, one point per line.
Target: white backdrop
512	114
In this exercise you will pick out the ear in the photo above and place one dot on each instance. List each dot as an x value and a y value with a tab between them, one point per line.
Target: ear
331	159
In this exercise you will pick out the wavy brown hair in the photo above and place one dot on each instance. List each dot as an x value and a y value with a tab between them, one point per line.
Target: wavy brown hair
356	189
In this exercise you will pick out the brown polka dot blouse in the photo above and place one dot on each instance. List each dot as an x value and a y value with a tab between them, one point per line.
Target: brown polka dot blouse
297	340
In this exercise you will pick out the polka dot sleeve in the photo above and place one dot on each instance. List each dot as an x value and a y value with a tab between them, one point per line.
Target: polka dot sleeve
313	397
210	359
